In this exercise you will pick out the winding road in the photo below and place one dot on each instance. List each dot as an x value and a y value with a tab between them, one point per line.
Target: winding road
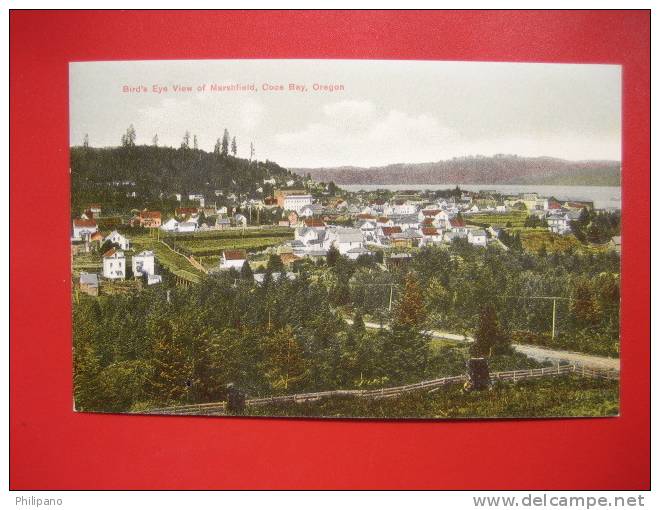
535	352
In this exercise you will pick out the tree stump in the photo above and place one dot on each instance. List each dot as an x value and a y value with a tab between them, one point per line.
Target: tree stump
478	375
235	399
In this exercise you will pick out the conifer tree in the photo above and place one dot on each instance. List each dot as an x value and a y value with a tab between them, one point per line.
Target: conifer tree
225	143
234	147
489	338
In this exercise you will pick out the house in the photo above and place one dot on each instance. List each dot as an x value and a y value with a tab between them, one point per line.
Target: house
311	210
388	231
431	236
187	226
356	252
559	223
233	259
314	223
281	194
170	225
83	228
153	279
615	244
148	219
184	212
398	260
344	239
114	264
95	209
240	220
457	225
477	237
89	284
197	197
296	202
143	263
118	239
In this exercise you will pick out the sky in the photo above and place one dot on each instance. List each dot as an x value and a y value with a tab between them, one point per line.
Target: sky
384	112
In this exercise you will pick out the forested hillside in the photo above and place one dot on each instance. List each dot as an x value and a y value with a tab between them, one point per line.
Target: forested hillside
499	169
111	176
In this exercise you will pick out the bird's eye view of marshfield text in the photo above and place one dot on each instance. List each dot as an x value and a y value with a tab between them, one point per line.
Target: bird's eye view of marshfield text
345	239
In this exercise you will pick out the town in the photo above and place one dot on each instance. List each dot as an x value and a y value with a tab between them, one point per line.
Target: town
199	276
355	224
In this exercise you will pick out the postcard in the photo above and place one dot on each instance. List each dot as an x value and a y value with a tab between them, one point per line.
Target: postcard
346	238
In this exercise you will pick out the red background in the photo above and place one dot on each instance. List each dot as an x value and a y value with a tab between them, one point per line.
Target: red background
54	448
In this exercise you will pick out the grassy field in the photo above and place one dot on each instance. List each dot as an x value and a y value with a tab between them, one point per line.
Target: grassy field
285	232
203	247
177	264
535	239
558	396
510	218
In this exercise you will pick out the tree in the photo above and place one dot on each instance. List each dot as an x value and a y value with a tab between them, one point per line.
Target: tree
195	142
234	147
246	272
218	146
285	366
409	311
171	372
128	138
185	143
333	256
86	141
225	143
154	140
489	337
275	264
252	152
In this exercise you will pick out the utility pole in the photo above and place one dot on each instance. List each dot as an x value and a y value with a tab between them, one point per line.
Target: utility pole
391	292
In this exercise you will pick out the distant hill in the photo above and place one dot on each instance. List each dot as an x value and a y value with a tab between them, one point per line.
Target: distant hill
108	175
499	169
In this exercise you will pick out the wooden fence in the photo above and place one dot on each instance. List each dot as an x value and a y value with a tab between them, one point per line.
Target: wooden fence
219	408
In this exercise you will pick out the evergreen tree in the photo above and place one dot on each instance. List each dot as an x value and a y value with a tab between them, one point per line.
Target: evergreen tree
333	256
195	142
218	146
185	143
246	272
154	140
86	141
225	143
489	338
275	264
128	138
234	147
171	372
285	366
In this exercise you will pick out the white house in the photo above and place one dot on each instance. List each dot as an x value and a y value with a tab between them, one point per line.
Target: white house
83	228
559	223
170	225
233	258
119	240
187	226
431	236
344	239
143	263
296	202
114	264
477	237
310	210
197	197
